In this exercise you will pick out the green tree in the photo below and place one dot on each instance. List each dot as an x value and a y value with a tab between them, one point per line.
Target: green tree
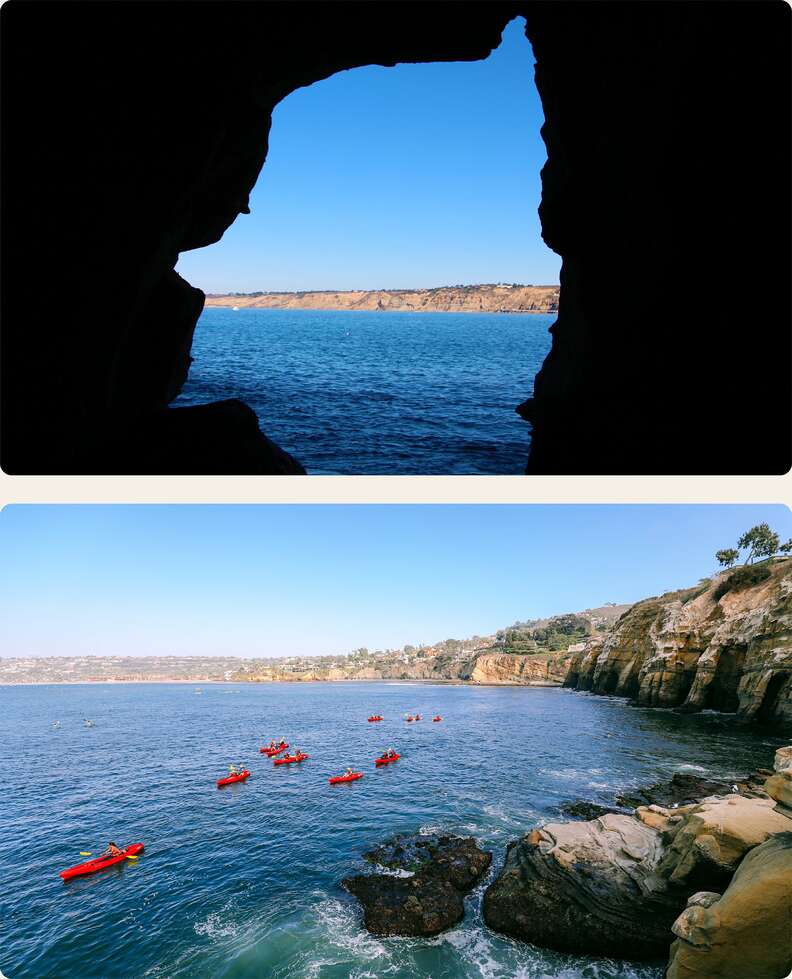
727	556
760	541
786	547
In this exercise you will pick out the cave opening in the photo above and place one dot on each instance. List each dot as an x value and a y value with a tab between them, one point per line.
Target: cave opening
769	706
722	690
385	307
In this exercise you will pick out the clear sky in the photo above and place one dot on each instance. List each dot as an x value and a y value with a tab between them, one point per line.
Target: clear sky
413	176
282	580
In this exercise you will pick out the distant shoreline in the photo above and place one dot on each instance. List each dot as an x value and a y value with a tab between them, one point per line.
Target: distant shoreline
264	683
491	298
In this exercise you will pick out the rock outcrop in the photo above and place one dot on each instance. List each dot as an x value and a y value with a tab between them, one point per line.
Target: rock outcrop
589	888
614	885
747	931
423	892
699	649
779	785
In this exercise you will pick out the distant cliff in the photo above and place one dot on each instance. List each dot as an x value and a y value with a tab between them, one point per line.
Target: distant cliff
723	645
514	670
499	298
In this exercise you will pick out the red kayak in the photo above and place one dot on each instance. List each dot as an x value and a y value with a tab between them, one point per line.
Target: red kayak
92	866
372	719
233	778
387	761
289	759
271	752
345	778
438	718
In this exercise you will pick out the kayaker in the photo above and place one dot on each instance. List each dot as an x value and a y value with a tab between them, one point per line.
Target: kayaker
113	851
272	746
235	769
349	772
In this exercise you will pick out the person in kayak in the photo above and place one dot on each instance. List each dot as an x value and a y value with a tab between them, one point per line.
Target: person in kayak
235	769
349	771
113	851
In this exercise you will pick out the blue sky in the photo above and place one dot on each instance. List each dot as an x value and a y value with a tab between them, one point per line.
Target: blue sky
281	580
413	176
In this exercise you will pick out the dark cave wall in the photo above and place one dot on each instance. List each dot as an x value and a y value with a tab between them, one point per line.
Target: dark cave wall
136	131
665	193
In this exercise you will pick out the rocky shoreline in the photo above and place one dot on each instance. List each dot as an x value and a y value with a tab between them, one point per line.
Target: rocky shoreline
699	872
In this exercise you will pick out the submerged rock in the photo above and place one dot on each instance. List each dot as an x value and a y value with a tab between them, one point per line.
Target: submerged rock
747	931
425	894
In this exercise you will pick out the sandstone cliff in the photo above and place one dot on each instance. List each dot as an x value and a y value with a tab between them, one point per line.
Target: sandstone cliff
493	668
718	646
445	299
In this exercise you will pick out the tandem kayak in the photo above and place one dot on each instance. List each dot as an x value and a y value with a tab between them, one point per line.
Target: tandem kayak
92	866
345	778
271	752
387	761
372	719
233	778
438	718
289	759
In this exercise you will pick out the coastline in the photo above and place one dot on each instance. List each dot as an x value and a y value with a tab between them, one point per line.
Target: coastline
390	309
196	683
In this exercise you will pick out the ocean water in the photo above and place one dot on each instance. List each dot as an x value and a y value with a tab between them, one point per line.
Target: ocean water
377	393
243	882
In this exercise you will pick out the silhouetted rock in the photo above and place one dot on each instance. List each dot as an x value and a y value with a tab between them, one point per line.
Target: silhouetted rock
673	233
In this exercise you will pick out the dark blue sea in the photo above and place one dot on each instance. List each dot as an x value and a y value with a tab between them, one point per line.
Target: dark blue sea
243	882
377	393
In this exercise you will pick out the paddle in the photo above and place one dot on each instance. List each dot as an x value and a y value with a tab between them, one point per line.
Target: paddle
131	856
86	853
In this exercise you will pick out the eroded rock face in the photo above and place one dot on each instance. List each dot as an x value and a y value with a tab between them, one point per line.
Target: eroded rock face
704	843
747	931
425	895
614	885
516	669
695	651
589	888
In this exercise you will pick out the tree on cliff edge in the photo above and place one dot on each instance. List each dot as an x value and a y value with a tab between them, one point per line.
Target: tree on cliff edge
760	541
727	556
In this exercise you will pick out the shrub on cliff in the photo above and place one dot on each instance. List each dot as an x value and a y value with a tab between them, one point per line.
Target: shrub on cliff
747	577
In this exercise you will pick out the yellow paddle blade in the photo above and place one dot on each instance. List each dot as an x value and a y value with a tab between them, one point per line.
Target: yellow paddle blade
85	853
131	856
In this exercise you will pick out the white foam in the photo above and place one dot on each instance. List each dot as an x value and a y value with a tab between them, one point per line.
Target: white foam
214	927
